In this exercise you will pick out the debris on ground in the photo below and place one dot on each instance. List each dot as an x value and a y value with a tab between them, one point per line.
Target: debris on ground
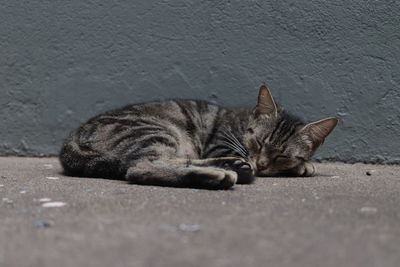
43	224
370	172
48	166
368	210
182	227
7	200
189	227
55	204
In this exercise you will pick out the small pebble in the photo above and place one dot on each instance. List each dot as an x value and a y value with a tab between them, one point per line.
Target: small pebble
23	191
48	166
368	210
55	204
42	224
370	172
52	178
189	227
7	200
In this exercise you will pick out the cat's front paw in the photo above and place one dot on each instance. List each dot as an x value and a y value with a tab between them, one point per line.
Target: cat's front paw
306	169
309	169
242	168
211	178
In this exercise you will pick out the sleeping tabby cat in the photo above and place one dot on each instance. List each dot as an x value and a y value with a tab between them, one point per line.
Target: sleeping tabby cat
186	143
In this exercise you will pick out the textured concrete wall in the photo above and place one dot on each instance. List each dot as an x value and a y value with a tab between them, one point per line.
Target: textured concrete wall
62	62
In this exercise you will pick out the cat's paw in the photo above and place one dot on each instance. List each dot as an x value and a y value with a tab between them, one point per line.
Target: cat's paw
309	169
242	168
306	169
212	178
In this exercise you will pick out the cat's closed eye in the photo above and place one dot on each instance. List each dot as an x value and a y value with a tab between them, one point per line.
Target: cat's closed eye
300	158
255	145
282	159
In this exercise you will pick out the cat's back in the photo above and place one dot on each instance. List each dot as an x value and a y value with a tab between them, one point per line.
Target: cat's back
120	132
194	119
182	112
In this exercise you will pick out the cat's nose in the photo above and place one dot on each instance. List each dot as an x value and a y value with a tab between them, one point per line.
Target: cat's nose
262	164
261	167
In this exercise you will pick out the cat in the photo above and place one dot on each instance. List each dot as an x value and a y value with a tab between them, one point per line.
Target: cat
187	143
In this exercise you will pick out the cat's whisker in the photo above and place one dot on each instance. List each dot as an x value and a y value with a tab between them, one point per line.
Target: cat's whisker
231	146
233	140
239	143
237	146
234	147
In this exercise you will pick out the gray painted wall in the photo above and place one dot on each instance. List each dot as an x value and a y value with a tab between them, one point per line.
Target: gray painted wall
62	62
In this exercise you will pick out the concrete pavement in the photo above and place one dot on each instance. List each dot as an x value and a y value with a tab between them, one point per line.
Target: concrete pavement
342	217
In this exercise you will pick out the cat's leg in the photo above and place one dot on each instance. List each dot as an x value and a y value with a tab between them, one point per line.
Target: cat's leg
244	170
305	169
180	174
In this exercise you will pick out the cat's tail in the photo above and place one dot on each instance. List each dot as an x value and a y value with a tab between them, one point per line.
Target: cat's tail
84	161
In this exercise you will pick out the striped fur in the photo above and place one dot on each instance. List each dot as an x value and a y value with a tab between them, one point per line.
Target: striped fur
185	143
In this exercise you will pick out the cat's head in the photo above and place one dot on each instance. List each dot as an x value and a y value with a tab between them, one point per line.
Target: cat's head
277	141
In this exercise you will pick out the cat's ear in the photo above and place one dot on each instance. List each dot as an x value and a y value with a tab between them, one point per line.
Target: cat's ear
266	104
319	130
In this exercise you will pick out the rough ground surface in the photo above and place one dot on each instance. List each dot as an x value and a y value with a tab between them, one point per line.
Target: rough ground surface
342	217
